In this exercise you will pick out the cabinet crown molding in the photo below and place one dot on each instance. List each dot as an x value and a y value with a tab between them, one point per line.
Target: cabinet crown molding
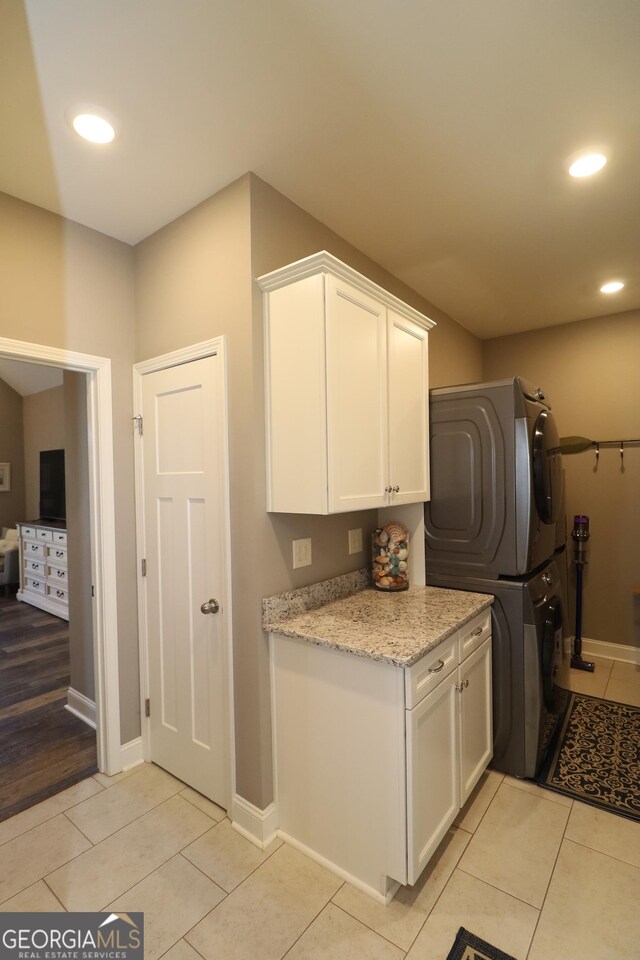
324	262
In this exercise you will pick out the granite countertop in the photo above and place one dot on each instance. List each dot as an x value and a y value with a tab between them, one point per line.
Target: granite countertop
396	627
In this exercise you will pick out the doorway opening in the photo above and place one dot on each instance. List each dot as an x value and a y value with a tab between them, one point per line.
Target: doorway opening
101	539
47	695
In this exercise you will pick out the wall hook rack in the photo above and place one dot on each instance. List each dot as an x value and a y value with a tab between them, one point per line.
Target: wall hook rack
580	444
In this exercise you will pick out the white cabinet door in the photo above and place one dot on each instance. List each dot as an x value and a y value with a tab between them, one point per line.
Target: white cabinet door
476	734
408	405
432	772
356	332
333	343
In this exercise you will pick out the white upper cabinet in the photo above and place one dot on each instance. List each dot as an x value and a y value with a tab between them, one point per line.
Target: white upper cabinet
346	391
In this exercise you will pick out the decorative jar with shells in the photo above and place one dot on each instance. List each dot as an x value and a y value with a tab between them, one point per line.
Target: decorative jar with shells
390	553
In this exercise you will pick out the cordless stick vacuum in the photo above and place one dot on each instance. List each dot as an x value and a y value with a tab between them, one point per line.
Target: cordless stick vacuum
580	537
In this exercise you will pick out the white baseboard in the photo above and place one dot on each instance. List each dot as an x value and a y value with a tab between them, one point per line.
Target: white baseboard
383	898
256	825
131	753
80	706
608	651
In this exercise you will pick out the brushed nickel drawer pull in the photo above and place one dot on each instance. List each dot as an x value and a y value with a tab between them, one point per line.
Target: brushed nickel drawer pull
438	668
477	632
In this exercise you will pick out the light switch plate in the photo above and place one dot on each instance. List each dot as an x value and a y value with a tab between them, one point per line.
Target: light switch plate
301	553
355	540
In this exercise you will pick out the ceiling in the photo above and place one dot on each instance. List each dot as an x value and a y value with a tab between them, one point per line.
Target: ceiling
28	378
431	134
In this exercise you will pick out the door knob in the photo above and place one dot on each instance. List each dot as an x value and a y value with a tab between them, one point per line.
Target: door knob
211	606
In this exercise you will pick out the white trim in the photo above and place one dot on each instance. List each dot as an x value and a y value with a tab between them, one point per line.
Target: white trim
383	898
131	753
323	261
258	826
103	533
608	651
196	351
81	706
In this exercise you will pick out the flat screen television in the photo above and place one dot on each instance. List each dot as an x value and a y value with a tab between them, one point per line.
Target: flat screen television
52	492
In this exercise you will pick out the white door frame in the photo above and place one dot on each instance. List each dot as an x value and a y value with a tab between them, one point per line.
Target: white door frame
103	533
216	346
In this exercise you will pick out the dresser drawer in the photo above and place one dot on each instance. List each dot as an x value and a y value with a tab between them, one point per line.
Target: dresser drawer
59	574
28	532
44	534
32	549
57	554
426	674
35	585
34	567
60	537
58	593
474	633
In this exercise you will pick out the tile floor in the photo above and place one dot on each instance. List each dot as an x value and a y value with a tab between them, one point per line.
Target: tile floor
539	875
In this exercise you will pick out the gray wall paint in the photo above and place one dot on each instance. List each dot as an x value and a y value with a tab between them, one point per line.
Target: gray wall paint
12	508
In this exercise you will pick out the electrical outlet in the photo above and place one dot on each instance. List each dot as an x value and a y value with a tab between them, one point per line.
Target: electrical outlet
355	540
301	553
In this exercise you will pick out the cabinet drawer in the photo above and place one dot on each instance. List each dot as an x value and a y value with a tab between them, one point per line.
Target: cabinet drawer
32	549
474	633
58	593
427	673
59	537
34	567
44	534
57	573
57	554
28	532
35	586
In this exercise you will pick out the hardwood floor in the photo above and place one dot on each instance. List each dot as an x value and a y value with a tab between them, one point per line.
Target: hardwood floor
43	747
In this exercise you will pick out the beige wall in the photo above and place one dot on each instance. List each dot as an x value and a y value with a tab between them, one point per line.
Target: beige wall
591	372
12	508
194	281
69	287
43	430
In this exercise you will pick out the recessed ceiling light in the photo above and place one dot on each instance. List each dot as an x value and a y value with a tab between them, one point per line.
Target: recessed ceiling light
612	287
93	128
587	164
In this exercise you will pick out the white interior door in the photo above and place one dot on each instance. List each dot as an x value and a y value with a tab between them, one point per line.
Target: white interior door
184	548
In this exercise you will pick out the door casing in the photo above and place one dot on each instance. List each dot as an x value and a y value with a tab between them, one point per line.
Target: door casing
103	533
196	351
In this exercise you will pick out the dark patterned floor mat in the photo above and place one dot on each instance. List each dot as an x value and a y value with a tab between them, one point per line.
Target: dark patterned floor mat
596	758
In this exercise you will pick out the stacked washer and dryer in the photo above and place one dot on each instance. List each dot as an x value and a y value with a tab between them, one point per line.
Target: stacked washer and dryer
495	524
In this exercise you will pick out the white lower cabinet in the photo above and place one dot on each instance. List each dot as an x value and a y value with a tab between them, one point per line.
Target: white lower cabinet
449	744
433	788
374	761
476	720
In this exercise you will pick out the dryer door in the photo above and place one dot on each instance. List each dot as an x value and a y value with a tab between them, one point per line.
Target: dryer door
547	468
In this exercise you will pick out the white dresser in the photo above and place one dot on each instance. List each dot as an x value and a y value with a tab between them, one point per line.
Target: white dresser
43	567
